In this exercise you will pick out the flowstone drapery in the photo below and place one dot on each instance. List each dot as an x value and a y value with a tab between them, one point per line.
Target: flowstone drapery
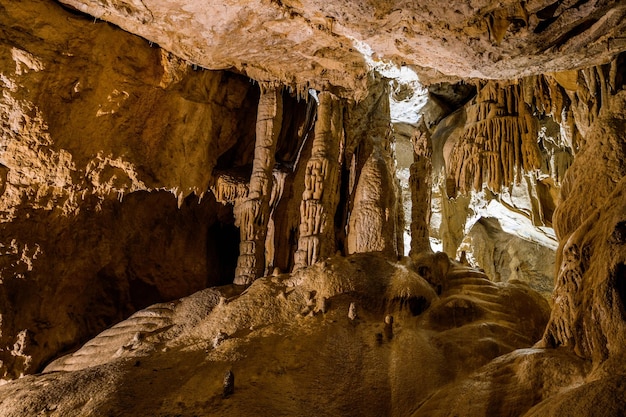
500	139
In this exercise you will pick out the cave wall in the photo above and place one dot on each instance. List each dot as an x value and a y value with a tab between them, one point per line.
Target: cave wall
589	299
577	367
103	137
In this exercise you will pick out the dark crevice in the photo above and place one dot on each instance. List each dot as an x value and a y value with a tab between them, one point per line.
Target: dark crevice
417	305
619	233
581	28
143	294
241	153
298	121
578	4
619	282
343	210
548	12
544	24
223	243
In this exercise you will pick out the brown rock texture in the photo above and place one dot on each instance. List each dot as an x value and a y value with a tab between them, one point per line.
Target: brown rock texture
252	215
287	355
94	124
589	297
209	219
320	196
318	43
421	188
109	156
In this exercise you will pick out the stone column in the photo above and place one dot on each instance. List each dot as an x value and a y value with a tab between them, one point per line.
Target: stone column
252	215
319	199
421	185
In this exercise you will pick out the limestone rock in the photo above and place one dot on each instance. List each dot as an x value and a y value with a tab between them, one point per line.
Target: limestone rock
298	360
252	143
505	257
94	124
320	43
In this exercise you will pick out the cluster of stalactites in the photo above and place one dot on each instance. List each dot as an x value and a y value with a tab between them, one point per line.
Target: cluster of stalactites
499	140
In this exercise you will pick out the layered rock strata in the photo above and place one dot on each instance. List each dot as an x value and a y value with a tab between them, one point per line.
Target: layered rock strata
320	44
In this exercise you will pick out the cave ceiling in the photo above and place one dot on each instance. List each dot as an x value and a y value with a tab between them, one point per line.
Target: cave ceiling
330	45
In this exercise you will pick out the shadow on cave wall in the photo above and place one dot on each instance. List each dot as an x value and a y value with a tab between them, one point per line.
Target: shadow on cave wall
100	266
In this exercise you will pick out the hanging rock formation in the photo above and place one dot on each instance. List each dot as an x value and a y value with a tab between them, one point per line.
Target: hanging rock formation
498	142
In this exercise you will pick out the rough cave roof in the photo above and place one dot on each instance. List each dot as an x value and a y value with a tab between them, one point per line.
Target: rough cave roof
323	43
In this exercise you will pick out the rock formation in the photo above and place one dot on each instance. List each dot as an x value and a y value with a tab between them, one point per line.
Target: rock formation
252	214
319	198
421	189
220	196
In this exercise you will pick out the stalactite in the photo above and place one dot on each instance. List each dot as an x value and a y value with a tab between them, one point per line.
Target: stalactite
319	198
252	215
499	139
229	189
421	186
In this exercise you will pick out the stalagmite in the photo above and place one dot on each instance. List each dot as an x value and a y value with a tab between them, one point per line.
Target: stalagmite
252	215
229	384
375	212
319	198
370	218
278	188
421	186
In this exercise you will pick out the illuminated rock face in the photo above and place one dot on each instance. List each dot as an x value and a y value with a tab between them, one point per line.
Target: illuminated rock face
317	43
217	221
